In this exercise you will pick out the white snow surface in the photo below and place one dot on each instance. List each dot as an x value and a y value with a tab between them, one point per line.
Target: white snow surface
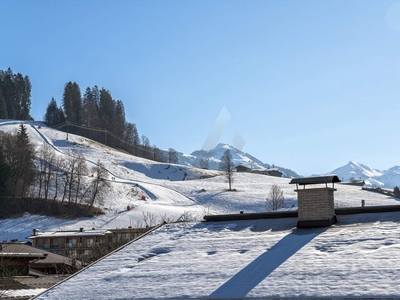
162	186
357	257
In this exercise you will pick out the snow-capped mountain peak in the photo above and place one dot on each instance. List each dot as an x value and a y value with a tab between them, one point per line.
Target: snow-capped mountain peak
373	177
214	155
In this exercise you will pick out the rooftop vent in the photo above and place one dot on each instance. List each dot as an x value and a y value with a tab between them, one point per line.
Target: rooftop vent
316	206
81	229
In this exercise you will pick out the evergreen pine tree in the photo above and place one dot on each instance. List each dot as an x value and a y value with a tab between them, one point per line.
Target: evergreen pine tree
136	139
72	102
3	107
52	114
16	91
119	122
24	167
90	116
19	92
26	100
4	176
8	90
61	116
22	136
77	102
106	110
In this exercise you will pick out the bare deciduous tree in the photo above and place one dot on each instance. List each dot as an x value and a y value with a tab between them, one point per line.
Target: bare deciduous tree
98	184
149	219
69	167
204	163
226	165
187	216
172	156
75	168
167	218
81	170
57	181
275	199
46	165
159	155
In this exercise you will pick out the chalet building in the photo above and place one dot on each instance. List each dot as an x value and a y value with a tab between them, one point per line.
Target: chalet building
270	172
85	245
17	264
26	271
241	168
23	260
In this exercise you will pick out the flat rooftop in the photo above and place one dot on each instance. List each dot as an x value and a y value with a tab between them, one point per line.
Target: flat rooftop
72	233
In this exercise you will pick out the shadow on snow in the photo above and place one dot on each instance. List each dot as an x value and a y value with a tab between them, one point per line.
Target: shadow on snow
259	269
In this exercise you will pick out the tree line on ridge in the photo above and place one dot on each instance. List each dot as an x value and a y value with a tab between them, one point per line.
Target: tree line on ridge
96	115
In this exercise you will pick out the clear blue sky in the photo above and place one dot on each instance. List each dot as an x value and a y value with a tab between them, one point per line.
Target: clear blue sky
309	85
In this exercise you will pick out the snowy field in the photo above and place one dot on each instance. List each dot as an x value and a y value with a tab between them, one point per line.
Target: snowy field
167	196
357	257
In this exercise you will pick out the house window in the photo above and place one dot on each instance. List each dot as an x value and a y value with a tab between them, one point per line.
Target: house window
72	253
54	244
72	243
90	242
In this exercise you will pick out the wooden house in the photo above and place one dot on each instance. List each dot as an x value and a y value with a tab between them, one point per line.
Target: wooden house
34	261
85	245
270	171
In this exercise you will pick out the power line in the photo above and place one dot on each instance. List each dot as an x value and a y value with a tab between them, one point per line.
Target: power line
138	146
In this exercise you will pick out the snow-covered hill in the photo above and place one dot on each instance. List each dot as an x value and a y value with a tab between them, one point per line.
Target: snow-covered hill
239	158
166	194
372	177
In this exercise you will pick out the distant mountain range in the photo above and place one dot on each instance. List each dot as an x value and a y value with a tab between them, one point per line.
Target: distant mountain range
353	170
213	157
372	177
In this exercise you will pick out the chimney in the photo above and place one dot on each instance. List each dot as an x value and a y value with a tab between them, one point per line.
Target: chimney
81	229
35	232
316	206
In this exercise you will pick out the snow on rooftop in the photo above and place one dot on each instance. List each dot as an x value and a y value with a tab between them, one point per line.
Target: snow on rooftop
52	234
357	257
21	293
